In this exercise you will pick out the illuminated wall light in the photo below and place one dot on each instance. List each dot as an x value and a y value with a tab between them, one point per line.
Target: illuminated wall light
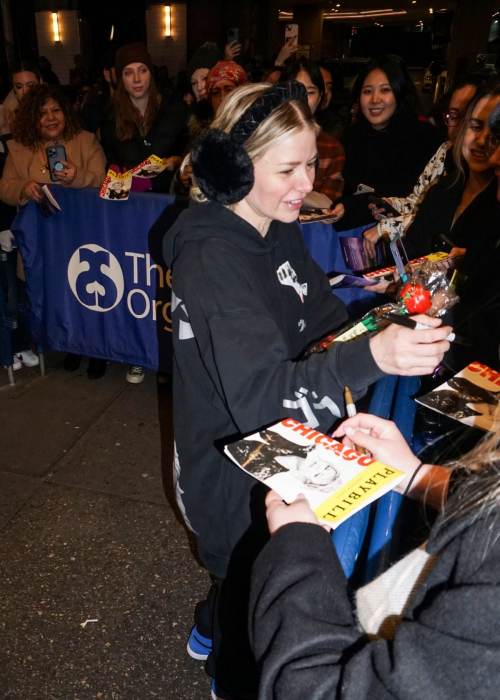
356	15
55	27
168	31
431	11
111	36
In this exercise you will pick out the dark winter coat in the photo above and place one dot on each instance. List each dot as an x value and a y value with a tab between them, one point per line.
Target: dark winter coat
390	161
243	309
436	212
477	229
447	646
166	137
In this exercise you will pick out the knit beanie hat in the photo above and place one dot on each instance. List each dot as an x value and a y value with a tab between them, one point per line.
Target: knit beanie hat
206	57
132	53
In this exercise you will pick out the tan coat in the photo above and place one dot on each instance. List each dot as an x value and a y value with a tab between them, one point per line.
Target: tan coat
23	165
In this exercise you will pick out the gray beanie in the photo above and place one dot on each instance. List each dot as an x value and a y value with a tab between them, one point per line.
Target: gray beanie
206	57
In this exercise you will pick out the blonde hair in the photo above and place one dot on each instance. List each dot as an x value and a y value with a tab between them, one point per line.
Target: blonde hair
481	490
289	118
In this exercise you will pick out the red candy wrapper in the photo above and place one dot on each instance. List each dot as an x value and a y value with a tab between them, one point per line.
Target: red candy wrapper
415	298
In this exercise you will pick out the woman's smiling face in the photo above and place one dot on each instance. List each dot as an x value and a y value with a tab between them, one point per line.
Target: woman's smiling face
377	100
283	177
473	147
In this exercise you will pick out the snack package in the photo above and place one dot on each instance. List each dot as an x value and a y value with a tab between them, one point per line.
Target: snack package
116	186
435	283
428	292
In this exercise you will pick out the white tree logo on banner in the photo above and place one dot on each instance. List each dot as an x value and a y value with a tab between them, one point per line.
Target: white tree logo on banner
102	289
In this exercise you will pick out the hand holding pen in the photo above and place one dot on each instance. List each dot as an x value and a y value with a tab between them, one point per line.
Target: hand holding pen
409	352
408	322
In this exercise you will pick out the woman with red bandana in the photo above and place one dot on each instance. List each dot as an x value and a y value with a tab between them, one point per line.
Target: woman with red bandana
223	78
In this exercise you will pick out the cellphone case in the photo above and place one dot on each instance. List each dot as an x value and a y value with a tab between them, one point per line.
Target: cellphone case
54	156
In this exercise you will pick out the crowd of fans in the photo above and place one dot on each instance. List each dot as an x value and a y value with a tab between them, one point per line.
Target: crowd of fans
249	143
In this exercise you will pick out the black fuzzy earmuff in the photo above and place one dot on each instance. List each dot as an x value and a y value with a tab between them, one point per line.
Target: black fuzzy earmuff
221	166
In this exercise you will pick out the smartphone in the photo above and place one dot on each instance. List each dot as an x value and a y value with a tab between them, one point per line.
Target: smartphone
233	34
55	154
291	33
382	204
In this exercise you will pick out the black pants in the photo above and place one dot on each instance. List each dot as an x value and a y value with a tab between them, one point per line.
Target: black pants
223	617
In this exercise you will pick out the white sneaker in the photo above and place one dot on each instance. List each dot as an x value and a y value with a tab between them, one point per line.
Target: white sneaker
16	364
28	358
135	374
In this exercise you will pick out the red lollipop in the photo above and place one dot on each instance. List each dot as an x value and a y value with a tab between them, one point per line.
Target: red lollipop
416	299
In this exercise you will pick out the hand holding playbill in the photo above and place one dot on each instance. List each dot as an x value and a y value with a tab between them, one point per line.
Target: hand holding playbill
279	513
293	459
116	186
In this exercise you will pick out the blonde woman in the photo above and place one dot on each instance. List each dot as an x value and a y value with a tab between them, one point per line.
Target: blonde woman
247	299
426	628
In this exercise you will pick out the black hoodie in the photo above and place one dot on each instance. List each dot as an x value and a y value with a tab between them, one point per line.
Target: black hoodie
243	309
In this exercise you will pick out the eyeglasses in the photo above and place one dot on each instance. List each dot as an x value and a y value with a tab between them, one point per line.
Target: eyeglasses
491	144
452	118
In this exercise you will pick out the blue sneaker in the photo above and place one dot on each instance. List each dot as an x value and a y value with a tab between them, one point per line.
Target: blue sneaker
198	647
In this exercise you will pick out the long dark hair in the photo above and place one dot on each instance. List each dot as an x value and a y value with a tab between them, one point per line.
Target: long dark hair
291	72
26	125
128	120
26	67
399	78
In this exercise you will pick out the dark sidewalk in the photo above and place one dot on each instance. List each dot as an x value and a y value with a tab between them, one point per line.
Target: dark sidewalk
88	533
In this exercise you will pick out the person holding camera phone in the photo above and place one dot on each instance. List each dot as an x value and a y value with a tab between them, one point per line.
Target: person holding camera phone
49	146
44	120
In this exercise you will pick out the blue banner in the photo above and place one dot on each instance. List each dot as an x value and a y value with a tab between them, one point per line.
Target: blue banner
96	281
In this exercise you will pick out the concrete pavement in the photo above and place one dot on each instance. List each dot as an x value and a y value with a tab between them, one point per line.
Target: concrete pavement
87	533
